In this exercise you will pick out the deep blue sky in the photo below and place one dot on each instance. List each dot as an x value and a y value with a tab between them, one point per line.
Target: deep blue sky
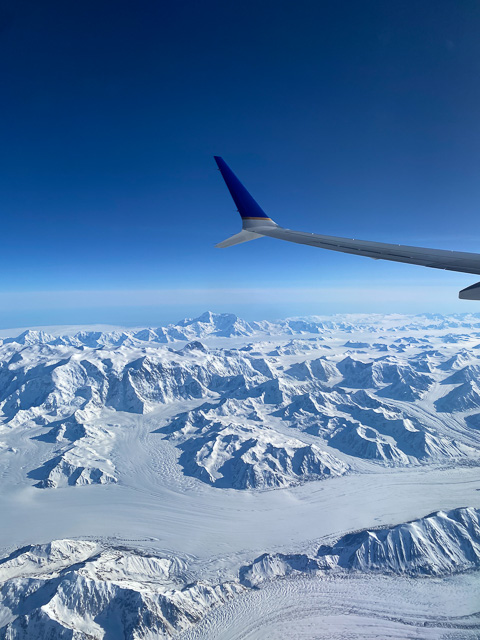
353	118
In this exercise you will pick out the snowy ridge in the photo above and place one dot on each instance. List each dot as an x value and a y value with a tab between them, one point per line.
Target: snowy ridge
441	543
277	417
97	590
463	398
167	438
92	591
78	465
222	451
245	457
222	325
227	325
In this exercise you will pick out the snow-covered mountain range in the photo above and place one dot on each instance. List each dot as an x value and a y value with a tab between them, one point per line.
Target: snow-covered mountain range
442	543
50	589
219	408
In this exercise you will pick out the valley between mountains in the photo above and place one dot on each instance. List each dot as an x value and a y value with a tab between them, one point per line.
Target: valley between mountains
216	478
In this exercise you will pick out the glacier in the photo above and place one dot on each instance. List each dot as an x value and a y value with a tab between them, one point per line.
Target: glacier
176	474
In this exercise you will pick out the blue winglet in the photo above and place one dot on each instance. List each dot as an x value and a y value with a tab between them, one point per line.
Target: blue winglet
247	207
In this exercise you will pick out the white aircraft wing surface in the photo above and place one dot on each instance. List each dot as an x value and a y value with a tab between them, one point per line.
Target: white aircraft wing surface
436	258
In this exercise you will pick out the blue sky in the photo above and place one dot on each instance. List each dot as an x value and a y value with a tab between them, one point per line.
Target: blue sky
347	118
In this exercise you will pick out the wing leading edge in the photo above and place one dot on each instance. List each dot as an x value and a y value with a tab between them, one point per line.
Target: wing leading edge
257	224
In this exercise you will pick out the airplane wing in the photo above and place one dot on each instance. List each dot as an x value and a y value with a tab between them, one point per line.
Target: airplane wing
256	224
436	258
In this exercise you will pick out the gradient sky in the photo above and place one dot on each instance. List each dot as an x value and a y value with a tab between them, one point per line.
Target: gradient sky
356	119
